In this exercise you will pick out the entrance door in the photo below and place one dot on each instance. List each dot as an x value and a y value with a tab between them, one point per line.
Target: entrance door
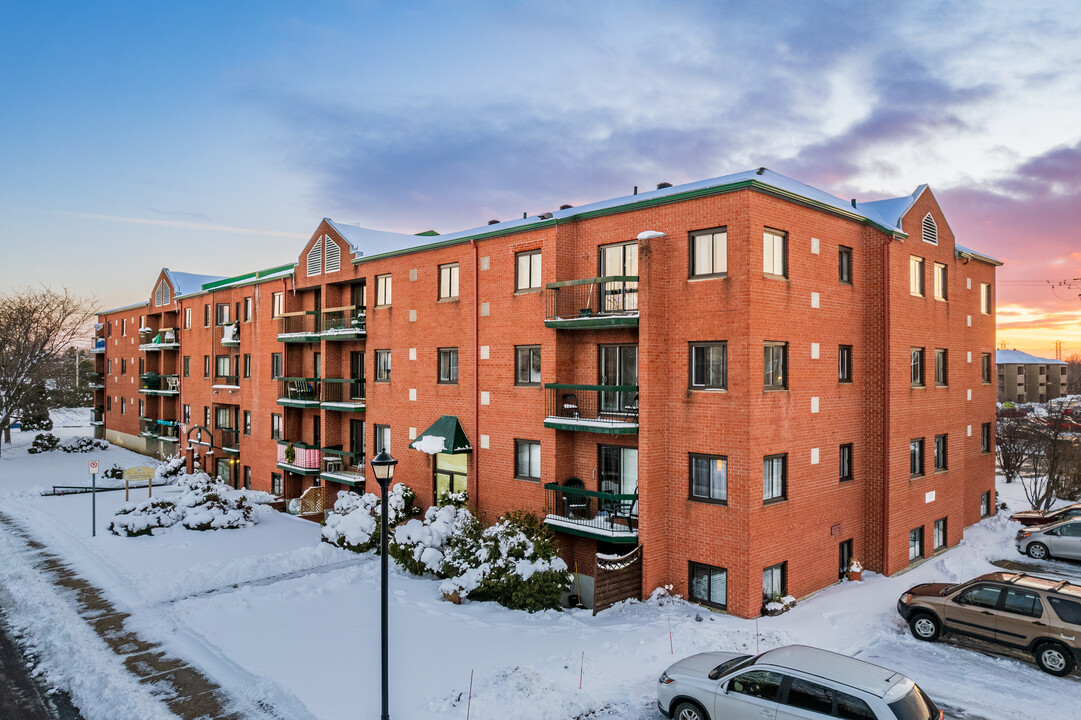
451	474
619	296
619	366
224	467
356	373
844	557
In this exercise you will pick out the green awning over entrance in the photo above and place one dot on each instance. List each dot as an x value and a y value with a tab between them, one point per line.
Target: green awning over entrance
446	429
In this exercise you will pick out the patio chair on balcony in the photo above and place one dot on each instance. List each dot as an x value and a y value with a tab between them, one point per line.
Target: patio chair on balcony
301	390
570	406
619	511
172	384
169	336
575	505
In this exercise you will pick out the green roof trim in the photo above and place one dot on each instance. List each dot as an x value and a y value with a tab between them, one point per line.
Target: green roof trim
428	233
247	278
448	428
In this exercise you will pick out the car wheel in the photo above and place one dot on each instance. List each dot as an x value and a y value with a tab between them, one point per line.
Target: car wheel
1054	658
1037	551
924	627
688	711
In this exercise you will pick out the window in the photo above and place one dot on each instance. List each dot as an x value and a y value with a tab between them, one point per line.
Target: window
844	265
809	696
845	462
142	408
123	366
940	533
709	478
123	327
448	366
187	415
985	298
985	437
223	419
757	683
915	544
247	309
247	365
221	366
1067	610
275	427
709	585
527	271
382	289
247	422
774	253
844	363
985	368
940	281
773	478
108	403
222	313
527	365
277	368
915	275
277	302
941	367
206	366
1021	602
930	230
187	318
206	315
142	366
983	596
382	366
709	365
940	452
382	439
187	366
917	367
985	504
852	708
206	416
915	457
123	405
775	363
162	294
709	253
247	478
774	582
276	483
448	282
527	459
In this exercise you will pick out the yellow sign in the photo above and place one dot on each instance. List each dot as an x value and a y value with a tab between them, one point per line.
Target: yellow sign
139	473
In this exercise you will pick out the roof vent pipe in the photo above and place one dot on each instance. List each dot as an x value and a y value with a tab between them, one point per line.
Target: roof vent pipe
663	185
635	189
493	222
853	202
565	207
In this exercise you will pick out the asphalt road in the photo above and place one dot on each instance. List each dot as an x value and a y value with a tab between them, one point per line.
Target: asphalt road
21	696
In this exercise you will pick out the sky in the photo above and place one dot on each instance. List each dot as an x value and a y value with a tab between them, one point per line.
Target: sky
213	137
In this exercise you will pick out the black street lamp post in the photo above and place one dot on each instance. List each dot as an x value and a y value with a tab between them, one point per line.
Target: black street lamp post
383	468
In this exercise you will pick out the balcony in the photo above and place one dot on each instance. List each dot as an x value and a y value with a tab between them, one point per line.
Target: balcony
97	345
154	384
230	335
607	409
97	416
600	302
95	380
344	323
306	460
604	516
229	440
298	392
164	339
226	382
168	431
345	467
299	327
344	394
148	427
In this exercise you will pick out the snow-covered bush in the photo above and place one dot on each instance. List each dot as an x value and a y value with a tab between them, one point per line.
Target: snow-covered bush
513	562
43	442
135	519
36	420
115	472
457	499
209	504
417	545
171	468
83	445
354	522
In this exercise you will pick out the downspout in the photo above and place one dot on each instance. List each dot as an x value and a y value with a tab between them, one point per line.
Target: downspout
886	404
476	374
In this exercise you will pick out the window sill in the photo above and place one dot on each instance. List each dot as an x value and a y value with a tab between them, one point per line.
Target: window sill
527	291
847	283
448	299
774	389
708	390
844	382
919	295
711	276
446	382
707	501
537	385
846	480
943	385
535	481
774	276
774	501
941	471
918	387
917	477
380	307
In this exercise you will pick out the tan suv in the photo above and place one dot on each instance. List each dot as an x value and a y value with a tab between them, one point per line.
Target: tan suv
1034	614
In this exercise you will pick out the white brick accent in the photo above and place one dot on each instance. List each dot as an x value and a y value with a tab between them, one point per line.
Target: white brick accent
970	393
968	283
412	393
969	320
814	351
486	309
413	275
970	431
412	316
814	456
412	433
484	352
969	356
412	353
814	245
485	262
485	398
814	404
815	302
485	442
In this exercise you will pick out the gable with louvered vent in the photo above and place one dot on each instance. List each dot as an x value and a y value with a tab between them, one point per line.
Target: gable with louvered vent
332	255
315	257
930	230
162	295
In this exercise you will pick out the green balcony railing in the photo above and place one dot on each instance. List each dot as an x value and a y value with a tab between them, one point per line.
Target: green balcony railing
298	392
301	326
344	323
606	515
592	408
594	302
343	391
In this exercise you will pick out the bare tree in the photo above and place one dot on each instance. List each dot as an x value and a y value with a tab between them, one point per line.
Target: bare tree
1015	440
1050	466
37	326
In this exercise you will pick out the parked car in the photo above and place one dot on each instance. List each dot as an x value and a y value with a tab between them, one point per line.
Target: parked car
1035	614
788	682
1061	540
1046	517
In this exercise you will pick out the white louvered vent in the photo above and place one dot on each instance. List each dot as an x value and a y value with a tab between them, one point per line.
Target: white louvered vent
930	230
315	258
162	295
333	255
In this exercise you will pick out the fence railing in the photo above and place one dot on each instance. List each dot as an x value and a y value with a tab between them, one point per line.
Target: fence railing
307	457
158	339
588	404
298	390
229	438
592	297
343	391
300	323
609	513
348	321
153	382
227	380
336	460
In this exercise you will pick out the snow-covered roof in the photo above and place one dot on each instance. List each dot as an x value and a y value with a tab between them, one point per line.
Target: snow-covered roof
1016	357
189	283
126	307
889	212
963	251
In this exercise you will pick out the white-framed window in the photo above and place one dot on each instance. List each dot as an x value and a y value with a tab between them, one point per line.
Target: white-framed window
448	282
382	289
916	367
941	285
709	252
382	439
773	477
985	298
277	303
187	318
940	533
915	544
775	582
915	275
527	270
527	459
775	253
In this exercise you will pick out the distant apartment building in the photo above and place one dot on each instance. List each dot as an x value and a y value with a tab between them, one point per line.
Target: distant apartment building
1026	378
739	383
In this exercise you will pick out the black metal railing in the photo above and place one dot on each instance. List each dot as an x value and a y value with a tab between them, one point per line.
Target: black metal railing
148	426
301	390
155	382
610	513
336	460
97	415
343	391
346	321
152	339
303	323
168	429
227	380
95	379
228	438
589	404
592	297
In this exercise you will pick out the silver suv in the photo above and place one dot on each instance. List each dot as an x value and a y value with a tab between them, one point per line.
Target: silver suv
789	682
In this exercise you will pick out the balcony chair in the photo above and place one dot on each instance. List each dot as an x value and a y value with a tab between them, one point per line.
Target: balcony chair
570	406
301	390
173	384
619	509
575	505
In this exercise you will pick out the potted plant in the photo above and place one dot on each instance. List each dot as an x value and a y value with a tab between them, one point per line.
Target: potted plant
854	572
290	453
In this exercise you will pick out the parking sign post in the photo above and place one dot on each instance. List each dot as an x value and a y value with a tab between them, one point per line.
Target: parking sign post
93	498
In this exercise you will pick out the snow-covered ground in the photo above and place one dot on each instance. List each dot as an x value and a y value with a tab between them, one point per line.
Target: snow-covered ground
275	615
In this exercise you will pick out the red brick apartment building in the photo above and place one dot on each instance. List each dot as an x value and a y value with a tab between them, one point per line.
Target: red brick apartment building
747	377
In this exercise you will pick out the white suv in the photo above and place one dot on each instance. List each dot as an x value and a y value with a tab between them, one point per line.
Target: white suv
790	682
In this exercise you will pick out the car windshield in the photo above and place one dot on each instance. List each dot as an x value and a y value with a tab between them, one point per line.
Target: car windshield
914	706
728	666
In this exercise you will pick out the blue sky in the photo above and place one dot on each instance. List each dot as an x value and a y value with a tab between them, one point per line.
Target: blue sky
199	135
